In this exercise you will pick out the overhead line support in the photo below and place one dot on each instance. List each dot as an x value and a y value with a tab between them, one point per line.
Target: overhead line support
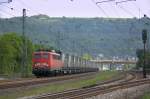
6	2
24	46
124	1
104	1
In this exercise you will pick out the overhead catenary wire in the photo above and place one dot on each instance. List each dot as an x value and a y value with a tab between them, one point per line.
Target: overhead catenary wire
104	11
20	5
100	8
17	10
140	10
125	10
28	7
108	1
5	2
132	23
12	9
132	13
7	13
129	12
10	14
124	1
116	27
104	1
118	4
132	27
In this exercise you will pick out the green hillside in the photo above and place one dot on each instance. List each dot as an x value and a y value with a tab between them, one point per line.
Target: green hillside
112	37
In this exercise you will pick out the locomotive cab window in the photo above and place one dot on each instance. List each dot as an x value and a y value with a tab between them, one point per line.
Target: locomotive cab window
37	56
56	57
45	56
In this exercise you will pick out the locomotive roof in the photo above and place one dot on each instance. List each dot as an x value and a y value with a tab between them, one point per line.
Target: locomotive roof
53	53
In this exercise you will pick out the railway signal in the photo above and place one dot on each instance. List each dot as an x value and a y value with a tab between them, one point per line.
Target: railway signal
144	38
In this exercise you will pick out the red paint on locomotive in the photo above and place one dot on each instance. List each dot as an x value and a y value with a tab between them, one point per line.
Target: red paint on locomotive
46	61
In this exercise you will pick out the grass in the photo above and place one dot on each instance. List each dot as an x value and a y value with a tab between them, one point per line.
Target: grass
60	87
146	96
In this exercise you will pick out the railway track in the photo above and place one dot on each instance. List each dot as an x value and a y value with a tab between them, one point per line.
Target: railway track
69	94
106	89
36	81
92	91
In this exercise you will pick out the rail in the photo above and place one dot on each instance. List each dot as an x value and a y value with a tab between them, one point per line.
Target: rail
82	92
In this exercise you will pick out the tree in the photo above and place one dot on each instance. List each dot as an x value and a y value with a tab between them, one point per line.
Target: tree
140	55
11	53
87	57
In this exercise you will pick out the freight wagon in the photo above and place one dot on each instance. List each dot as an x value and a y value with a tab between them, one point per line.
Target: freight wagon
46	63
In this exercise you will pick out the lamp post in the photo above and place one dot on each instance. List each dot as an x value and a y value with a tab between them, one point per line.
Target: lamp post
144	38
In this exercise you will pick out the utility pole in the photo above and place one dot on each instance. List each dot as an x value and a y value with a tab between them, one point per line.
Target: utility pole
147	23
144	38
24	46
58	40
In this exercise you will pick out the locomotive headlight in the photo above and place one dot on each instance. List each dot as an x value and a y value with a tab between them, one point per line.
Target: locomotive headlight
44	64
41	64
37	64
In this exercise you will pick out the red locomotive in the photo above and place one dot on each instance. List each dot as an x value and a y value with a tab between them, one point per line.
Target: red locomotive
45	63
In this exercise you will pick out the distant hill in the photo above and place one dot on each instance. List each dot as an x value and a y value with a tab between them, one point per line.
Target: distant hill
111	37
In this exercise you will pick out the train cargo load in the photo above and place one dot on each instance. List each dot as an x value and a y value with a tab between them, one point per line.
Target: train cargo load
48	63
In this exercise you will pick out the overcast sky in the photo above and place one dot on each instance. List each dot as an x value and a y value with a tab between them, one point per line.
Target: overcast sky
76	8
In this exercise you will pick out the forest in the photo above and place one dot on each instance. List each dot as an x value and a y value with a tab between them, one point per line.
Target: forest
87	37
107	36
11	55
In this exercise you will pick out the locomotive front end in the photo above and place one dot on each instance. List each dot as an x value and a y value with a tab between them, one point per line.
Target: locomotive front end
41	63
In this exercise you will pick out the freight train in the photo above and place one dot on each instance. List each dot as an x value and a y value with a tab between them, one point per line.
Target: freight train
47	63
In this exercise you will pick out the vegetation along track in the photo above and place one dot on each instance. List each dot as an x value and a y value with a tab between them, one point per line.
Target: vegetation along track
85	90
36	81
92	91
